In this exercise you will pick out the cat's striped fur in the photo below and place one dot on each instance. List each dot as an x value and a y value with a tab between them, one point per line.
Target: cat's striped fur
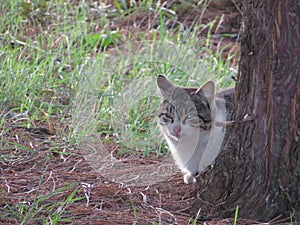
187	119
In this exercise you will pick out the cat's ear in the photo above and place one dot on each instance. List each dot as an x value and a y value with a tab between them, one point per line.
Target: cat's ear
163	83
208	89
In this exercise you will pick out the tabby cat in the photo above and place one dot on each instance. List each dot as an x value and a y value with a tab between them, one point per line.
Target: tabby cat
187	119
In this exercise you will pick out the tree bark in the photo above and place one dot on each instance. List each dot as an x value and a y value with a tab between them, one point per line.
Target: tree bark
259	167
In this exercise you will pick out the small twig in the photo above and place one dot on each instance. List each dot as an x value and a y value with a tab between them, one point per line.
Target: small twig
74	167
87	191
3	113
248	117
224	124
220	23
14	40
144	197
51	177
8	187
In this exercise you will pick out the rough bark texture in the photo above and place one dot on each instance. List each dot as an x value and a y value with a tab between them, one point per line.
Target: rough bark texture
259	168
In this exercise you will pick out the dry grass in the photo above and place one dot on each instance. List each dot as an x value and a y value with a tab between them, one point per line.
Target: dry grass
43	179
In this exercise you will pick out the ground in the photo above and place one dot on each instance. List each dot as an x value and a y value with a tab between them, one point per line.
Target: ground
57	178
97	200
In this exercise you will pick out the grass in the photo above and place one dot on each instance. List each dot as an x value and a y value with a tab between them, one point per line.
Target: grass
41	209
236	215
66	55
194	222
53	210
61	61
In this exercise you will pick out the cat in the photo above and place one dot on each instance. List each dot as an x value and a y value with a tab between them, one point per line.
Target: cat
188	119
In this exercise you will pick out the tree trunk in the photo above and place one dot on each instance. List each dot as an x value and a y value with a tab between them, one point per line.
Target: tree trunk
259	168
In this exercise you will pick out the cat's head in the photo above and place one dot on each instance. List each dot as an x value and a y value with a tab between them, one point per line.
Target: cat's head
184	110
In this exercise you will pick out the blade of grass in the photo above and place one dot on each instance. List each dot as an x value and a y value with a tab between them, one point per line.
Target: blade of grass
236	215
60	209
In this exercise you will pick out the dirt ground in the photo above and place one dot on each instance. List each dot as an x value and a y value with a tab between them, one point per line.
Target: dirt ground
44	168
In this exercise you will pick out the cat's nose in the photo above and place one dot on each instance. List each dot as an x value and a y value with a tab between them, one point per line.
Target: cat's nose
177	131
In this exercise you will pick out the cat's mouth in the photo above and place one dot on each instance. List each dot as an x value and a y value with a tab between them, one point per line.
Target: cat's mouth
176	136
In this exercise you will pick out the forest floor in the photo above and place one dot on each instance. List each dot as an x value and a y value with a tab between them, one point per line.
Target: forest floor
52	177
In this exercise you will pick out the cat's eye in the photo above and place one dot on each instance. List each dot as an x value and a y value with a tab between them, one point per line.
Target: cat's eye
169	116
190	116
166	117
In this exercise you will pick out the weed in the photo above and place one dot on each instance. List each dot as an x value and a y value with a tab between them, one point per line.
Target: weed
133	208
196	217
236	214
39	205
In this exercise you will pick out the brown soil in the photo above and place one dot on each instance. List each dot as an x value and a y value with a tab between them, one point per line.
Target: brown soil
42	169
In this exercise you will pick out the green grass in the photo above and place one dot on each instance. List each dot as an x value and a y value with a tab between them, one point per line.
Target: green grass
60	59
236	215
54	210
125	90
65	56
41	209
194	222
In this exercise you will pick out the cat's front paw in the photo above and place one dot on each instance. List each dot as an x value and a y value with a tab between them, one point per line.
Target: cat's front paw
188	178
